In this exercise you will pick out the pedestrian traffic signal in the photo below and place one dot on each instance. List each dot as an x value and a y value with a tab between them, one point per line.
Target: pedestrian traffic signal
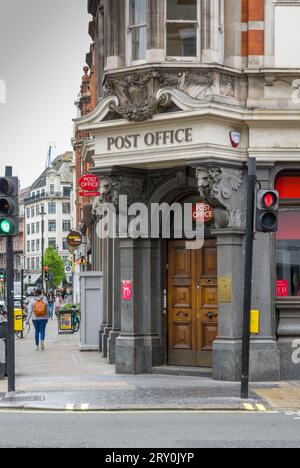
9	206
2	276
267	211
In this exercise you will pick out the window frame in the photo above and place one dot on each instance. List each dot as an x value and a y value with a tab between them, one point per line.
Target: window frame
184	59
129	29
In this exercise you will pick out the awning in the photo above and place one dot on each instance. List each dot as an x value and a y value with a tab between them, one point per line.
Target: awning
32	279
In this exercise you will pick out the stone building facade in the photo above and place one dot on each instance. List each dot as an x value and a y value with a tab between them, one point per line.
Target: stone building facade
49	194
174	80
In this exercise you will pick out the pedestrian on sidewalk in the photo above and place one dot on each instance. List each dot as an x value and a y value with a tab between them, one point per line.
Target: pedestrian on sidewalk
38	311
58	304
51	303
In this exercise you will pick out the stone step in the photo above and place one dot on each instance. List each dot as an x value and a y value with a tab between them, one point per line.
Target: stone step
183	371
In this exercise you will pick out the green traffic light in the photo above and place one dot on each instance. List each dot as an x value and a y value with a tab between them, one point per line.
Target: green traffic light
6	227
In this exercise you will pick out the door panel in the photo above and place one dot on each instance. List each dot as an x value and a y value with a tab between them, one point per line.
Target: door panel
192	304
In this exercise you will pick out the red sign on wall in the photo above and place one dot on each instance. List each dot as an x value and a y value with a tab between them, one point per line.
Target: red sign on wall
282	288
202	212
89	184
127	288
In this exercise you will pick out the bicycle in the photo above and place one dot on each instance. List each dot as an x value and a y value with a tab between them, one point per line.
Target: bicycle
75	322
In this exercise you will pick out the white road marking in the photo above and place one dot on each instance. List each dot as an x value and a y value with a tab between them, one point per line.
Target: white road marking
85	407
70	407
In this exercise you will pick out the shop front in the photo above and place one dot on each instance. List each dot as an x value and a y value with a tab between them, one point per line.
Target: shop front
288	273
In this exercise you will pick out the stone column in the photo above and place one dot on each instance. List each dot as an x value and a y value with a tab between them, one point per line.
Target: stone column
210	33
134	346
265	356
105	312
115	33
116	302
228	347
108	288
156	31
233	33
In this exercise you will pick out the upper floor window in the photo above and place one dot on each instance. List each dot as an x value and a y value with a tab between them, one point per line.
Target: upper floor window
52	189
137	29
51	208
182	28
287	36
66	208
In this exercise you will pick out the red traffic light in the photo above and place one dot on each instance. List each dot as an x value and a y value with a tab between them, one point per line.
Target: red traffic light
269	200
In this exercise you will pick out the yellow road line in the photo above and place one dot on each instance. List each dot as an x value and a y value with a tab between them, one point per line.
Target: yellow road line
249	407
261	407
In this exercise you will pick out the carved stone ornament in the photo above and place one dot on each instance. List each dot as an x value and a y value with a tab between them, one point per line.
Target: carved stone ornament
219	187
137	95
227	85
112	187
140	96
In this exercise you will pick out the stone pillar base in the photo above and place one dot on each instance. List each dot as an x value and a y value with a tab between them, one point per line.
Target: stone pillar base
227	360
113	335
264	361
133	355
101	331
289	349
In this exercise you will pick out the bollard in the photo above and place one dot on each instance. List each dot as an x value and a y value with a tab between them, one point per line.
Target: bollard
3	350
2	359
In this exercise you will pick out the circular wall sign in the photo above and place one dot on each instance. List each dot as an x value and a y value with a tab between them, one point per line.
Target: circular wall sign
89	183
203	212
74	239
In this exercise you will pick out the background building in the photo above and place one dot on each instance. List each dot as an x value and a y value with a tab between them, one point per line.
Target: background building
18	243
174	80
50	193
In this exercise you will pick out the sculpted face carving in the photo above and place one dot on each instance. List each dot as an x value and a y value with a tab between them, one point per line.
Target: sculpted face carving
219	187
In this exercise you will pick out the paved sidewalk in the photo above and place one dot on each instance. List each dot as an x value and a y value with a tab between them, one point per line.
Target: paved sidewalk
64	378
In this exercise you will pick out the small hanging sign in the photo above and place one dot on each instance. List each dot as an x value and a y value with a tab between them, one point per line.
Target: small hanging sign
127	288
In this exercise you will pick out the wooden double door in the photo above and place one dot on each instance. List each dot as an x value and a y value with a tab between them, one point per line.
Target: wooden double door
192	304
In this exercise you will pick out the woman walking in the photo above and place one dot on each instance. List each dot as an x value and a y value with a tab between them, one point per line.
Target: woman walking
38	310
51	303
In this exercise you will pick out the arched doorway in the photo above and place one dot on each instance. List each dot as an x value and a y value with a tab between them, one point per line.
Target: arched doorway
192	298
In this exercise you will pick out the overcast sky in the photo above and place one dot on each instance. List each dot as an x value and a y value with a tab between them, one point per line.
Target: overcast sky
42	52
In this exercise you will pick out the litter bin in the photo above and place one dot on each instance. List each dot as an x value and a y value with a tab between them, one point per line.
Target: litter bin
3	349
65	322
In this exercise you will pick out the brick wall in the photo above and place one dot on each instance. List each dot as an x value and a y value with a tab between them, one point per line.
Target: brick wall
253	34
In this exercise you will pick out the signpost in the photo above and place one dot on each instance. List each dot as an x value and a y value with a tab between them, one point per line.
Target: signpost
9	228
74	239
248	278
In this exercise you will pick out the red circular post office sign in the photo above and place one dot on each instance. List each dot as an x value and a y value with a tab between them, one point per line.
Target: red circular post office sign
89	183
203	212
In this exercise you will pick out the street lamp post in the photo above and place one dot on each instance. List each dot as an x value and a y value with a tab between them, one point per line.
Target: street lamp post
43	243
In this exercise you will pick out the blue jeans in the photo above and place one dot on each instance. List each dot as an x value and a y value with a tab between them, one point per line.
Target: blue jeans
51	310
40	330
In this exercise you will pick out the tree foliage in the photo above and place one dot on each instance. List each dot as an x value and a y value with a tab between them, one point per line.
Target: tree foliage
56	265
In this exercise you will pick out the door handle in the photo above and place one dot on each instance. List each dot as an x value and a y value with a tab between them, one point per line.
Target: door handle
198	284
211	315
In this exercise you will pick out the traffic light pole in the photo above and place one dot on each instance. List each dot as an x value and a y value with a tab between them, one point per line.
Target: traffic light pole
10	315
248	278
10	307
